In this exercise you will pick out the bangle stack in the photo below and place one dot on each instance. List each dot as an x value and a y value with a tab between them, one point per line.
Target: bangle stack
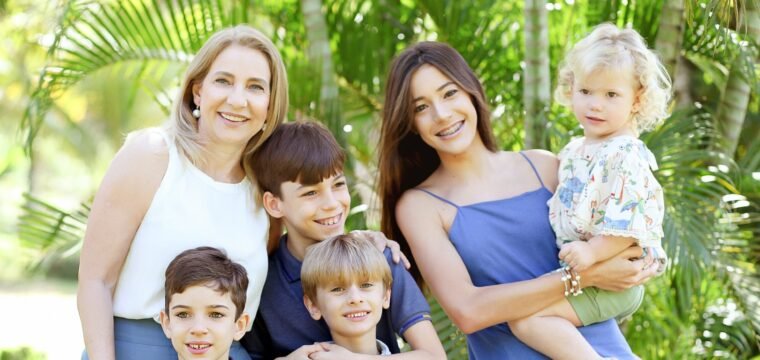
571	279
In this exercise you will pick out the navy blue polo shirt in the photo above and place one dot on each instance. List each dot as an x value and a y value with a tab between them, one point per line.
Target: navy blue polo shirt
283	324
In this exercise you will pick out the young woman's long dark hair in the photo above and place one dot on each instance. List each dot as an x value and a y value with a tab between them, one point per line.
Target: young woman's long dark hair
405	160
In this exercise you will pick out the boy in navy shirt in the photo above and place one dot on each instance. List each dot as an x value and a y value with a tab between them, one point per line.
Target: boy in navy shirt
299	173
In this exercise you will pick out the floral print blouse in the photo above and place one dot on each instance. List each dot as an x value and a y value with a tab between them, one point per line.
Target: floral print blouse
607	188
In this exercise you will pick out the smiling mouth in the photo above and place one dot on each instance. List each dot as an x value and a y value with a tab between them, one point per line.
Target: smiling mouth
357	315
233	118
331	220
198	349
451	129
594	118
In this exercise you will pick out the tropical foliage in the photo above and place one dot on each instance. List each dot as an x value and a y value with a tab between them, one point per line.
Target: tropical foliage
706	305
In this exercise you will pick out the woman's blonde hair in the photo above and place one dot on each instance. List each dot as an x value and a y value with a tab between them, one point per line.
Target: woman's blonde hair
609	48
184	127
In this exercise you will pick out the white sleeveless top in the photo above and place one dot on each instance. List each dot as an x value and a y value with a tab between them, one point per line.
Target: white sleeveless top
191	209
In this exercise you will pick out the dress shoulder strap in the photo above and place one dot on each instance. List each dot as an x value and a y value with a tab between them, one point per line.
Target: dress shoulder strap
438	197
534	169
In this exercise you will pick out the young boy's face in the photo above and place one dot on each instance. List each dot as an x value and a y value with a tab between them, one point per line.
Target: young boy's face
350	310
201	323
312	213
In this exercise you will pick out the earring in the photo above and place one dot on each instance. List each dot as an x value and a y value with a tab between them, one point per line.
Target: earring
197	112
264	126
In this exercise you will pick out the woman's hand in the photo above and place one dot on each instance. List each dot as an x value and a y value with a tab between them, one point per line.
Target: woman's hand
381	242
620	272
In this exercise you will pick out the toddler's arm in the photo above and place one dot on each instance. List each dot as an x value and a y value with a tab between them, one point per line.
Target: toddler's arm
580	255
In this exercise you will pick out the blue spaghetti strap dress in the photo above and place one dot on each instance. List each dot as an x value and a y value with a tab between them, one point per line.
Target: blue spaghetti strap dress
508	240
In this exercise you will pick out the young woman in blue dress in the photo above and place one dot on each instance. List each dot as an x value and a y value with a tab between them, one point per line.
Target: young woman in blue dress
475	218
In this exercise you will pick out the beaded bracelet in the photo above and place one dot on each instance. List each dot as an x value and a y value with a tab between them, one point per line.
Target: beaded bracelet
571	279
576	283
564	278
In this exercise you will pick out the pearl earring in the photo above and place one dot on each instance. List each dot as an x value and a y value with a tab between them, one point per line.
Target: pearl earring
197	112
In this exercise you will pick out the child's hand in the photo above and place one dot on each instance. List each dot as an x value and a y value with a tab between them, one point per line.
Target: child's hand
305	352
578	255
333	351
381	242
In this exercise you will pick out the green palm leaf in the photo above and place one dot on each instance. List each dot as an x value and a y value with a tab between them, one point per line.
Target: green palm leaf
56	233
708	243
140	38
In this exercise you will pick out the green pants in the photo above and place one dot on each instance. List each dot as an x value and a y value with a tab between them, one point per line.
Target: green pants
596	305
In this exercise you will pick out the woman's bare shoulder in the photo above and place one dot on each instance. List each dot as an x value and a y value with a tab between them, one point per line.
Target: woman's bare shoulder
141	162
148	142
413	200
541	156
546	164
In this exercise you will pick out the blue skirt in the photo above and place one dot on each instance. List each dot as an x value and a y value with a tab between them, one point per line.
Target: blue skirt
145	340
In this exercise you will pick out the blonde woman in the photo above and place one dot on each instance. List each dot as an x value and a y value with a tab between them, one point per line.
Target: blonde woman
180	187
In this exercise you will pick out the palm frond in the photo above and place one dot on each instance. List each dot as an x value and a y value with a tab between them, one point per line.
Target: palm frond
693	189
56	233
644	16
600	11
712	32
366	36
141	36
706	243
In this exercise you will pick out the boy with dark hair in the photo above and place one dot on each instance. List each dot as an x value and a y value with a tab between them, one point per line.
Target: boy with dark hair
300	181
204	298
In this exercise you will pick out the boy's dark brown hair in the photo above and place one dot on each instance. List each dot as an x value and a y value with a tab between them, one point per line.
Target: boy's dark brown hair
304	152
206	266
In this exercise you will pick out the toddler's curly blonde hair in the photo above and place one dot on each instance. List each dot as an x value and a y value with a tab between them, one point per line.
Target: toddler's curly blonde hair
609	48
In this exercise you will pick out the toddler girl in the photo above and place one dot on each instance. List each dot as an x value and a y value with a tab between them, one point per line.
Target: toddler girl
607	198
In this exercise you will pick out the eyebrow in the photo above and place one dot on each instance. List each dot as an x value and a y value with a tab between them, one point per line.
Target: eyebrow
257	79
210	306
337	176
438	89
604	89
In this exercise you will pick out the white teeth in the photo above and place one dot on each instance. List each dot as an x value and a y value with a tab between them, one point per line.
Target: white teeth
330	221
356	315
233	117
199	346
450	130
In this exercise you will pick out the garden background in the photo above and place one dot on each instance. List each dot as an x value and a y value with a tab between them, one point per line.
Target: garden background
78	75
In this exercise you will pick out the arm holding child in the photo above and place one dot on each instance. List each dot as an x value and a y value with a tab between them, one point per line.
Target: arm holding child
580	255
472	307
